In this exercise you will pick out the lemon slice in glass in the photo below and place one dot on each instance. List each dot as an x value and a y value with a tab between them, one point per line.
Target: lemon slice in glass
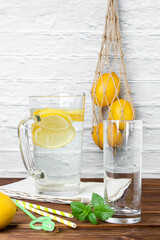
54	130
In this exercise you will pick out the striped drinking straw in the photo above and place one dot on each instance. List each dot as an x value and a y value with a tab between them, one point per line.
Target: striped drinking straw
64	214
60	220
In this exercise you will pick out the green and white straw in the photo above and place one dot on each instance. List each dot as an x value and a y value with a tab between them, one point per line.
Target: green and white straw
47	224
50	210
63	221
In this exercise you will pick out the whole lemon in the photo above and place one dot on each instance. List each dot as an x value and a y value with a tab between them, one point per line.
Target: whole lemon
114	136
116	111
106	88
98	133
7	210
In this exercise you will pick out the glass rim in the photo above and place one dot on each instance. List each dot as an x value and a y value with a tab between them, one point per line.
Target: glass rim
114	121
58	95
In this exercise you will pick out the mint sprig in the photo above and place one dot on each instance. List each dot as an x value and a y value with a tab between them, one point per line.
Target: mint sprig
92	218
97	210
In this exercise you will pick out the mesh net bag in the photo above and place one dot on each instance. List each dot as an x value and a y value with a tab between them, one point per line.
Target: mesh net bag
111	95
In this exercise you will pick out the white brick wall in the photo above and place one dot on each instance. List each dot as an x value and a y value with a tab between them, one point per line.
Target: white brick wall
51	46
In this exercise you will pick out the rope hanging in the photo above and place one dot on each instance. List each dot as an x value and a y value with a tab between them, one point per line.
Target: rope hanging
111	95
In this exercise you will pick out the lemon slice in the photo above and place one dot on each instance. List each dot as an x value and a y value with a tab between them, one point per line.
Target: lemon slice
54	122
76	114
54	129
51	139
54	119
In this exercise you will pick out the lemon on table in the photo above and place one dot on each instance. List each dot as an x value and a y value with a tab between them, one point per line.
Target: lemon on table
7	210
54	130
106	89
121	110
98	135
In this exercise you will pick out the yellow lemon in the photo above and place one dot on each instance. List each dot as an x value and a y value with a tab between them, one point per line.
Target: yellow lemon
116	112
7	210
54	130
98	135
106	87
114	136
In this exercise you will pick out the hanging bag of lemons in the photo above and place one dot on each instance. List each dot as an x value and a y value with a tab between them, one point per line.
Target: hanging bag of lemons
110	93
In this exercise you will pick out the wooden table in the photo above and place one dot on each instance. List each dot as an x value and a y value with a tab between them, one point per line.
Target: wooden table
147	229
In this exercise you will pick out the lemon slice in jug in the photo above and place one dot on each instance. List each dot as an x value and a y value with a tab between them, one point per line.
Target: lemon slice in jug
54	130
76	114
54	119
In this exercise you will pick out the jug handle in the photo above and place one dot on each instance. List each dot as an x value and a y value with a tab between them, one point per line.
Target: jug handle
26	155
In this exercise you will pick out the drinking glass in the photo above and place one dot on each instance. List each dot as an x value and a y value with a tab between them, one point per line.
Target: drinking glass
122	154
51	143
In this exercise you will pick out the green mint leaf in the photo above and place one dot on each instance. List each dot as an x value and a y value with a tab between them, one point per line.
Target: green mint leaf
84	212
76	214
103	208
84	215
97	200
77	206
104	215
88	208
92	218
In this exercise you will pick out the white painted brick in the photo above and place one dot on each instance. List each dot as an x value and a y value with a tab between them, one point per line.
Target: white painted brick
151	140
134	16
36	16
139	45
139	16
9	141
76	15
47	47
151	162
17	92
74	67
25	44
11	160
11	116
46	68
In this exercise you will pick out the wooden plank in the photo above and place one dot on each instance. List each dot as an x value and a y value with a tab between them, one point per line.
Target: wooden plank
148	228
